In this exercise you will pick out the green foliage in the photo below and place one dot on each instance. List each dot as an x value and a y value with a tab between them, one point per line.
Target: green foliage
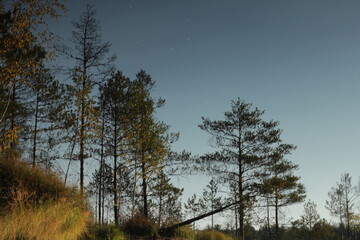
35	204
212	235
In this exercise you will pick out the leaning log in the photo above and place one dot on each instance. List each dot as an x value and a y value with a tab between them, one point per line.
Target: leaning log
189	221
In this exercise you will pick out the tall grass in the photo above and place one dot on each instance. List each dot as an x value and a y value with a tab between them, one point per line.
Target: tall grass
185	232
35	204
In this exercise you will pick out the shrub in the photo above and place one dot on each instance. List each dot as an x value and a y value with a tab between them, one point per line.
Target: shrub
139	225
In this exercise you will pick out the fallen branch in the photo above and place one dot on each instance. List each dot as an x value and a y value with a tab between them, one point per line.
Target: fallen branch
189	221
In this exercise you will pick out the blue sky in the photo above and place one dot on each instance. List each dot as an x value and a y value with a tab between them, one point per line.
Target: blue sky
299	60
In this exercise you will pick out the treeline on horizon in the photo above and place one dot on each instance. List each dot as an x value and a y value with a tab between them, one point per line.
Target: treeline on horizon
109	120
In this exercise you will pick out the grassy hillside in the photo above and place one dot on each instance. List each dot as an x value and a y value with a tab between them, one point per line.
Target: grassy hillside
35	204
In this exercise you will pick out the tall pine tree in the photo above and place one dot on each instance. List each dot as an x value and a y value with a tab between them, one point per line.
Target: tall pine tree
243	140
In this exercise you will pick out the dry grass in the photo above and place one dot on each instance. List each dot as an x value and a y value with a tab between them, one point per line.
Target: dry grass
35	204
57	221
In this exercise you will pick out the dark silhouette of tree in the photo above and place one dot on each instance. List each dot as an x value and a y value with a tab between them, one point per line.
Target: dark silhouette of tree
243	139
210	199
166	200
280	185
310	218
150	137
341	202
92	66
115	94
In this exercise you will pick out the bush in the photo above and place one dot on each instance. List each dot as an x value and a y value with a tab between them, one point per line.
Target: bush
139	225
35	204
212	235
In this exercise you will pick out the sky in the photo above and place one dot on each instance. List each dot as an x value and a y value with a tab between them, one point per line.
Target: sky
299	60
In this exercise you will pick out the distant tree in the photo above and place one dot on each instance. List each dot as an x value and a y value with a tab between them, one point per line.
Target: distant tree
281	186
210	199
192	207
243	139
166	200
310	217
341	202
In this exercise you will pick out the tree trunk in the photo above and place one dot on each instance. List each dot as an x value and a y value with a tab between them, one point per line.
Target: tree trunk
35	131
12	120
276	217
347	220
268	217
144	189
134	189
82	139
236	221
115	190
160	210
101	169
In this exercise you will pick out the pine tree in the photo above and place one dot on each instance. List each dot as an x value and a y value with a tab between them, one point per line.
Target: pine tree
116	109
243	139
166	199
281	186
210	199
310	217
341	203
192	207
89	53
150	138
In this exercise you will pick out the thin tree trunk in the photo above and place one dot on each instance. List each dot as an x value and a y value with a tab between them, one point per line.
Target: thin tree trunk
101	170
276	216
71	157
160	210
12	120
103	207
82	140
35	131
212	217
144	189
268	217
347	220
134	189
116	212
241	190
